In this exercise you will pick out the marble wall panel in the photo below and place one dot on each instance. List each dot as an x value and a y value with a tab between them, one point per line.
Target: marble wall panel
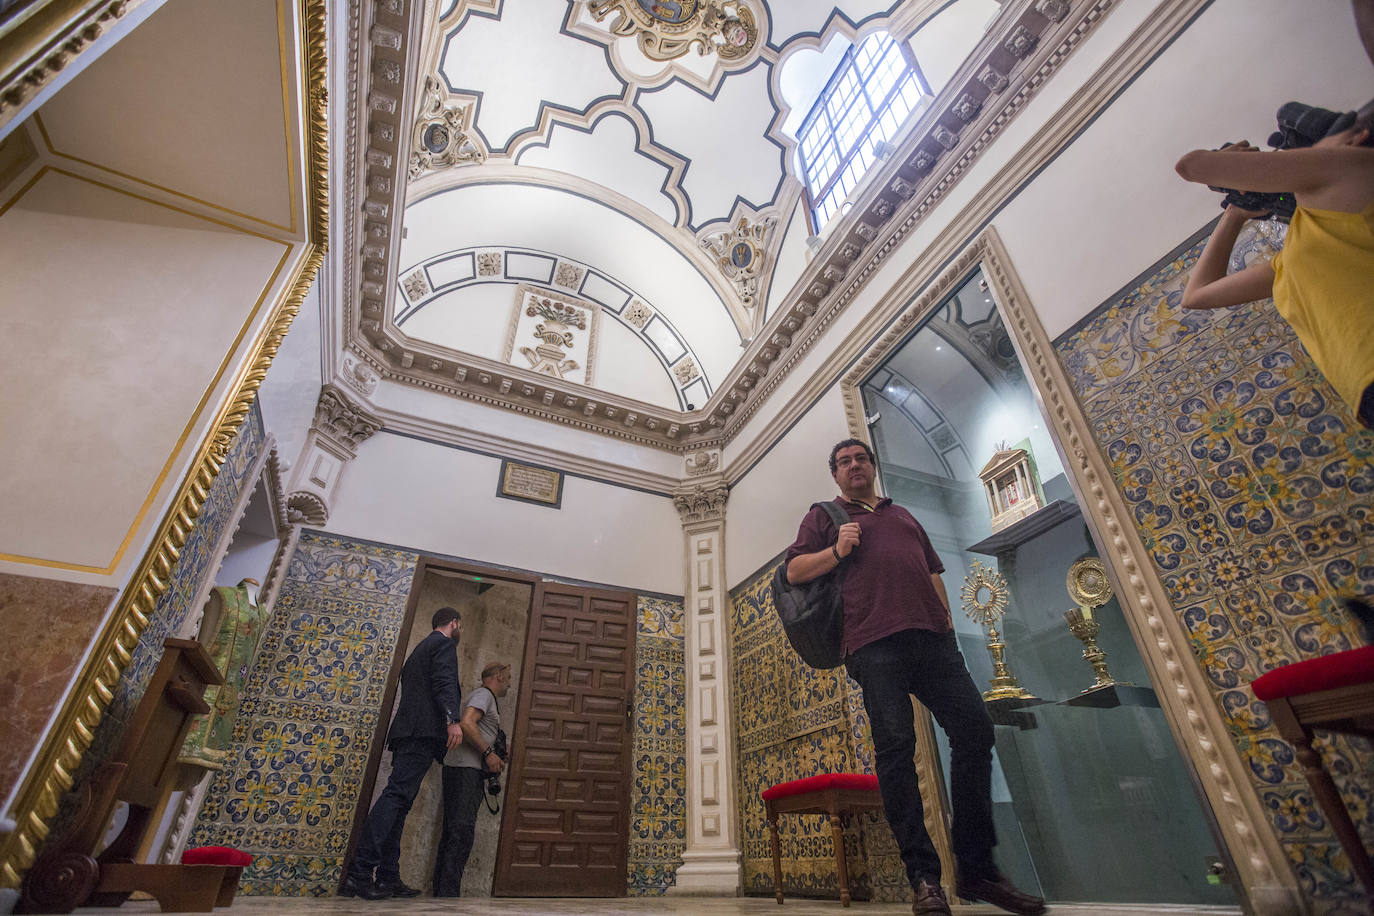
1252	488
309	716
792	721
38	663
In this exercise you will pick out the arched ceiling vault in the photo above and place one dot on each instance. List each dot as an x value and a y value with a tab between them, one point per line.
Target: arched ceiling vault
653	180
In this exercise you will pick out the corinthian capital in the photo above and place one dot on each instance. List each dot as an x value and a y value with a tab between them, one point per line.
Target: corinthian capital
702	502
342	421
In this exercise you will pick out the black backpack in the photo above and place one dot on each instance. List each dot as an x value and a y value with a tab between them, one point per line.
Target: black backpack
812	613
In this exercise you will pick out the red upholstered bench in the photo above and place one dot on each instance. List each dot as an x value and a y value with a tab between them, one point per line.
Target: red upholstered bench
835	794
1335	693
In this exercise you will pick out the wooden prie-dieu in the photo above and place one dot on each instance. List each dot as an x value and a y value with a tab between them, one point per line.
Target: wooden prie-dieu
73	871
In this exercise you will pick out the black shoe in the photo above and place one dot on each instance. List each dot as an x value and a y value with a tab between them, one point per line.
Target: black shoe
994	888
397	888
930	900
359	887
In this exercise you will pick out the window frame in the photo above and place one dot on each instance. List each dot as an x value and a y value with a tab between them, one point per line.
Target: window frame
820	109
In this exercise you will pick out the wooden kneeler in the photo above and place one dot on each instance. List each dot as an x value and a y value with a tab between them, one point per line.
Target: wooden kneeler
1332	693
836	795
69	873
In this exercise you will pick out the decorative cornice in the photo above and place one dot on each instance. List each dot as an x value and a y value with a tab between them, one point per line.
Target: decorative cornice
1164	648
37	45
306	507
517	449
702	502
1022	49
52	770
954	238
342	421
907	189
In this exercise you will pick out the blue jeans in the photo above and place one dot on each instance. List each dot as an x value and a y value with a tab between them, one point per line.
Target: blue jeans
928	665
380	848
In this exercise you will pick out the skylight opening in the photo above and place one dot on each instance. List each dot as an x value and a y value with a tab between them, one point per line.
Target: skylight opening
872	92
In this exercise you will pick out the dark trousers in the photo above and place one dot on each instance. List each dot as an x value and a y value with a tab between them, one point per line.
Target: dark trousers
928	666
380	848
462	794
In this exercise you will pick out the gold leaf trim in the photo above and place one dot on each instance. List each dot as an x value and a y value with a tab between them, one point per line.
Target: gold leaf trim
61	753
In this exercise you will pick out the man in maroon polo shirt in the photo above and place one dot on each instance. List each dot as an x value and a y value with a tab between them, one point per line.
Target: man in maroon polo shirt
899	641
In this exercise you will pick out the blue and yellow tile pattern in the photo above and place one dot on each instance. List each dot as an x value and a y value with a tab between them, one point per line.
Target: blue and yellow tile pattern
792	721
1252	488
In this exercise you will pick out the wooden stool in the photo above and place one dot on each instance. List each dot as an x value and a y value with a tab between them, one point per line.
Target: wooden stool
1335	693
835	794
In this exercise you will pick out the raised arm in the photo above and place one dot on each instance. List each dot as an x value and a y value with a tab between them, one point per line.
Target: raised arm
1336	177
1209	286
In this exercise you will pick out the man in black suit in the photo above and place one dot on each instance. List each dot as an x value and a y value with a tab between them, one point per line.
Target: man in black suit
427	724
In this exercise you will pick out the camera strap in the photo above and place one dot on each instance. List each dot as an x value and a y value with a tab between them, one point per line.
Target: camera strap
491	779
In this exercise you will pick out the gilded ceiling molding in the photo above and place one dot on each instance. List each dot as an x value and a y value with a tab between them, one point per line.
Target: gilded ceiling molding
36	45
1194	718
674	35
732	30
51	773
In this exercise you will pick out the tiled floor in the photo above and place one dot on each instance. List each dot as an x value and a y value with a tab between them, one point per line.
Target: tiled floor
637	906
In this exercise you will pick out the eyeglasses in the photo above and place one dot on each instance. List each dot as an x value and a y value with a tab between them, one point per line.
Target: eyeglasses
847	460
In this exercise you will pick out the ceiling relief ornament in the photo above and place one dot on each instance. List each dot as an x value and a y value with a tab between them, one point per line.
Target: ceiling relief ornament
489	264
553	334
702	462
741	254
441	136
669	29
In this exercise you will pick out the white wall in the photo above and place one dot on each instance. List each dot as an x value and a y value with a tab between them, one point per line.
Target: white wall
429	497
767	505
1103	212
1110	205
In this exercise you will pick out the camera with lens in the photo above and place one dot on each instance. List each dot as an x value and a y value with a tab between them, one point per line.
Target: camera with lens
1299	126
501	748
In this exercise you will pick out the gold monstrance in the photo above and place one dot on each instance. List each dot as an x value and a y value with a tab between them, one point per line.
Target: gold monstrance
1089	588
987	611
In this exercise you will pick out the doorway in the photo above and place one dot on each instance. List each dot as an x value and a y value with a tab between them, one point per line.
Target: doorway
510	617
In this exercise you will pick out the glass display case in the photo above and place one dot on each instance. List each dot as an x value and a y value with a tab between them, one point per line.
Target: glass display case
1093	799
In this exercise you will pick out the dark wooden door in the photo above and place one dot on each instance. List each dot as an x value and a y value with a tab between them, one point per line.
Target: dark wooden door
566	823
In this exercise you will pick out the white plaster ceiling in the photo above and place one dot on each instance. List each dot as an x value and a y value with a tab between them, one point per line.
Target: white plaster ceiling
595	153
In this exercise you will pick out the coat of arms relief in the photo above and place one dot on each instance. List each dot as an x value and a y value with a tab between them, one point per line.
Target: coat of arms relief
668	29
553	334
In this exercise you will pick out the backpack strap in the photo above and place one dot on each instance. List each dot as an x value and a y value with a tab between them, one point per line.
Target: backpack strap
836	512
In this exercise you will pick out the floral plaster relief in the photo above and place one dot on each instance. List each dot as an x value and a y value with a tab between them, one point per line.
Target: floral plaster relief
37	663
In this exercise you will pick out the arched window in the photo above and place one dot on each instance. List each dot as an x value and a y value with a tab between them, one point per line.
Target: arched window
868	98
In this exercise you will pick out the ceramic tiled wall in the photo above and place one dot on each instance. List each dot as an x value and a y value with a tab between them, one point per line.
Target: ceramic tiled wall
1252	487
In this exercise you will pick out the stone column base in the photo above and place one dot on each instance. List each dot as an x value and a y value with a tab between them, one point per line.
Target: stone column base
708	874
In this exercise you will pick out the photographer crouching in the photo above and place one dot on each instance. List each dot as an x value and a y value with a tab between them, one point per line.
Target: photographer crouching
469	769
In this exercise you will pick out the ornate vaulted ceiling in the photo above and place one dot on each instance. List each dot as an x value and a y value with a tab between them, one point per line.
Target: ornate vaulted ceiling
587	210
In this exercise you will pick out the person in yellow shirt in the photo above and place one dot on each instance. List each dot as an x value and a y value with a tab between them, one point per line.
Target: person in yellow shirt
1322	282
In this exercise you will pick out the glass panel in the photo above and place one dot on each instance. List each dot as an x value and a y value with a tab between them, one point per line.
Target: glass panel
1088	784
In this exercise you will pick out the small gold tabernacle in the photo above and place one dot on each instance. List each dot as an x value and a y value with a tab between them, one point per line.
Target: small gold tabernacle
987	611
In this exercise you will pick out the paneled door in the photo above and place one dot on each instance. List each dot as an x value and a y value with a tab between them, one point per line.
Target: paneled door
566	822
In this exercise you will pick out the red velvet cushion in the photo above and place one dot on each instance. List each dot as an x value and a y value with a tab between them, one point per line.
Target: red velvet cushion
215	855
823	781
1343	669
